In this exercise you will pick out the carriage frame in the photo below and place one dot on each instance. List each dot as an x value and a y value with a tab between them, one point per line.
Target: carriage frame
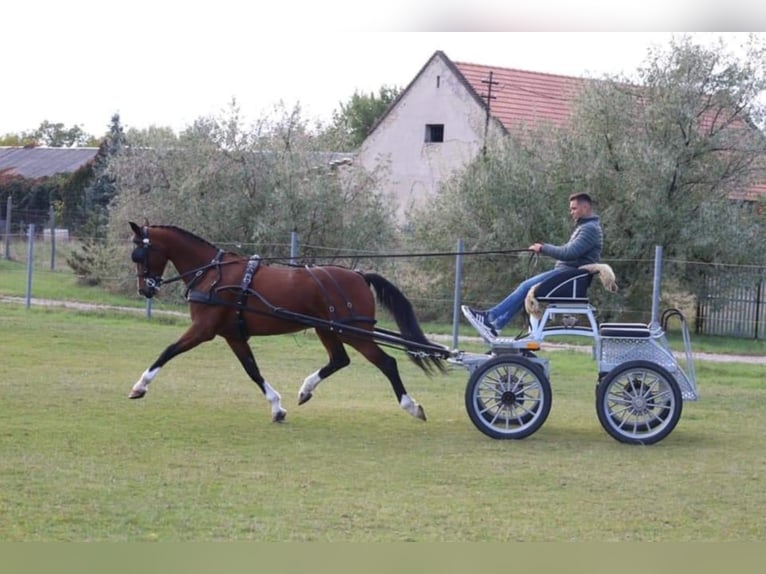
641	385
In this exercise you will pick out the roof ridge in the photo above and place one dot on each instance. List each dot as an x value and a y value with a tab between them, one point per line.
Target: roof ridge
523	71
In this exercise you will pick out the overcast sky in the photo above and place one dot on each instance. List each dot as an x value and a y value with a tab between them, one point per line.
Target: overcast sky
167	63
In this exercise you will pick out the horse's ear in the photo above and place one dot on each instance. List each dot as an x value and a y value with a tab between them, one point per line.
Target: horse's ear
136	229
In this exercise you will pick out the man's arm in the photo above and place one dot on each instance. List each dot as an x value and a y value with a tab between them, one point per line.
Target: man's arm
585	238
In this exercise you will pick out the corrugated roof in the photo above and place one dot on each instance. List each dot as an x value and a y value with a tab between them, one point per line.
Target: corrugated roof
34	163
523	98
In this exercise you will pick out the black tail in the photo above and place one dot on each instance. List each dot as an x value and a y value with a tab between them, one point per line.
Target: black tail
400	307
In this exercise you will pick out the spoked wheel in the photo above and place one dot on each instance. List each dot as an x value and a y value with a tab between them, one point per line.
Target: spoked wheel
638	402
508	397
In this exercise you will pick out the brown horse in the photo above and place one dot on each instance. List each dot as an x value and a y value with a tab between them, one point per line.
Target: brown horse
237	297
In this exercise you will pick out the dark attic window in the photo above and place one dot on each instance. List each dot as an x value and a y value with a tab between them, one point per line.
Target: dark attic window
434	133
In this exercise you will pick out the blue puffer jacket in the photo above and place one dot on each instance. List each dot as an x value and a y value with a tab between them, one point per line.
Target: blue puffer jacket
583	247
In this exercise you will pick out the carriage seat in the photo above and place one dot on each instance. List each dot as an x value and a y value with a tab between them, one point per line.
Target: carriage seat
565	294
569	286
625	330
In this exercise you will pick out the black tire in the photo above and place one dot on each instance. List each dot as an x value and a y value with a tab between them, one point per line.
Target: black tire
638	402
508	397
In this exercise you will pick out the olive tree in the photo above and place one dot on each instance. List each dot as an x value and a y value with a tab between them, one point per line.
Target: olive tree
670	155
246	188
506	199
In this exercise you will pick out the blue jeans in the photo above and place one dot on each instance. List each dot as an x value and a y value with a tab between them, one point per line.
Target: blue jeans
504	311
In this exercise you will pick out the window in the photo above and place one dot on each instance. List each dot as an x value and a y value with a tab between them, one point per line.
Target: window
434	133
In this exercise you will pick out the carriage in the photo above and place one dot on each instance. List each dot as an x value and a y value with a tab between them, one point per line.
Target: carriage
641	386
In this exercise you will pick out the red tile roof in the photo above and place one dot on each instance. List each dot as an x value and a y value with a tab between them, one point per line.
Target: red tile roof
752	193
523	98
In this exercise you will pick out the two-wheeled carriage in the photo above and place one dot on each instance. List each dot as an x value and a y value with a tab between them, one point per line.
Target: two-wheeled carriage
641	386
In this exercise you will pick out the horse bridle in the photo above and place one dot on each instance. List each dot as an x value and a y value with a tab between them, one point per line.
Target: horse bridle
152	283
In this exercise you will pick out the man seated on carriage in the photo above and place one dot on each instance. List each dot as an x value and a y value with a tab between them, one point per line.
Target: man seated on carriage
583	248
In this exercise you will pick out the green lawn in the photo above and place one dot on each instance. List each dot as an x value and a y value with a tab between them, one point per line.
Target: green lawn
199	460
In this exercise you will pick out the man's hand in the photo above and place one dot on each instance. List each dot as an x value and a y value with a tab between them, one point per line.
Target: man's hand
536	247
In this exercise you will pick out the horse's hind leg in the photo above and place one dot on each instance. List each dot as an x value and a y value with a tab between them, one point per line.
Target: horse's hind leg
387	364
338	360
246	358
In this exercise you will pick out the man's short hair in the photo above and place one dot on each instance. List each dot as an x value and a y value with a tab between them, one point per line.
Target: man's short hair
581	197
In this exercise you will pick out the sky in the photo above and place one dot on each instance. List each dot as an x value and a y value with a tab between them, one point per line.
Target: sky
166	63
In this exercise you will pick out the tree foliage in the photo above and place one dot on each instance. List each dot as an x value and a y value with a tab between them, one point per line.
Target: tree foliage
671	158
248	188
354	119
502	202
50	134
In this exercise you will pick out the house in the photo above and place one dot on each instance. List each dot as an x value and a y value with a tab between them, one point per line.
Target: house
441	120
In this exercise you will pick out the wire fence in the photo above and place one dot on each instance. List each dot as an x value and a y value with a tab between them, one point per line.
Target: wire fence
732	304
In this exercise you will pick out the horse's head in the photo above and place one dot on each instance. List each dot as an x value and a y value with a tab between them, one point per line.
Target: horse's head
150	261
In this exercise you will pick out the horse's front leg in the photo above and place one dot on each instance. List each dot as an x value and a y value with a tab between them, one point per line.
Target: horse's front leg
188	340
246	358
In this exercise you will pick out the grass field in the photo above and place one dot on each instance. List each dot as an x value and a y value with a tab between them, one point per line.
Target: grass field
199	460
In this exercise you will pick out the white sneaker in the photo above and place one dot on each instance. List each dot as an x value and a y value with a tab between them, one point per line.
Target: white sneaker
480	322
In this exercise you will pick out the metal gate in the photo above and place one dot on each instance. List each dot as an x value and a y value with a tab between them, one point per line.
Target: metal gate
733	306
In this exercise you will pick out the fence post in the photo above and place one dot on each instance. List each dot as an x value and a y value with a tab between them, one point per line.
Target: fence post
293	246
456	301
52	219
656	285
30	261
758	304
8	229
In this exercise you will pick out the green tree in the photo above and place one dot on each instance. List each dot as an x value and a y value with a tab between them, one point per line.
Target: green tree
670	158
354	119
501	202
98	192
50	134
18	140
102	187
247	189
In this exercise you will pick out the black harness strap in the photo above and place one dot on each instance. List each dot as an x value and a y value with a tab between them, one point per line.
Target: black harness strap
196	296
247	278
244	291
338	289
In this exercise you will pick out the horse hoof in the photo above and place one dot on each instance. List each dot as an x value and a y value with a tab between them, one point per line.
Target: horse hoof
421	414
304	398
136	394
279	417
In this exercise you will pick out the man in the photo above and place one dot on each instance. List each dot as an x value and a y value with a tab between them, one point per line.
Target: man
584	246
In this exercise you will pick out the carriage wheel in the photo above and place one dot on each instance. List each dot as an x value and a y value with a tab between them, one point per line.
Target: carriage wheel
638	402
508	398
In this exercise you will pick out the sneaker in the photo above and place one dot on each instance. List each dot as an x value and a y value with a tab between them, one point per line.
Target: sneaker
480	321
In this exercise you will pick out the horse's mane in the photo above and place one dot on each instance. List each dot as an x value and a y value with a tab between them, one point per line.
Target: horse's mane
191	235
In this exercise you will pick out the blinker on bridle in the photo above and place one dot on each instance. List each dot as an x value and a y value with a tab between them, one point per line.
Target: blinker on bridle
152	283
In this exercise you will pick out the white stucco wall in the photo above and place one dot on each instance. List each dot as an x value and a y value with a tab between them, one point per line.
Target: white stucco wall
411	168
